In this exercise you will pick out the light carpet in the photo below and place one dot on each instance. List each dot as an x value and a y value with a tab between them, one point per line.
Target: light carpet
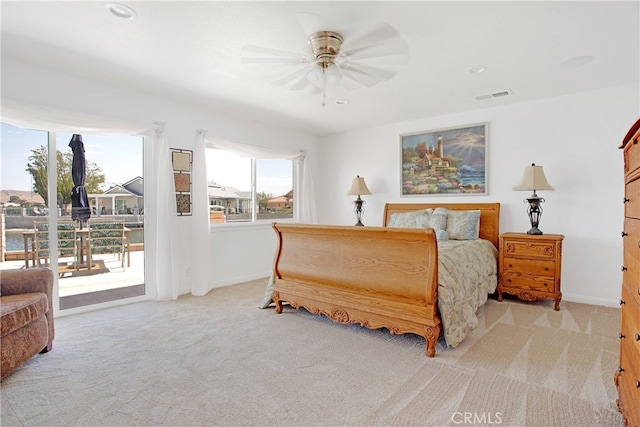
219	360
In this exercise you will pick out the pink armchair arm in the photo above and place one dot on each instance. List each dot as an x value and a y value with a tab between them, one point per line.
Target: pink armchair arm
24	281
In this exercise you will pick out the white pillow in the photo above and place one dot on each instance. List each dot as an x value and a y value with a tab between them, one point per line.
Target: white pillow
437	221
462	225
405	219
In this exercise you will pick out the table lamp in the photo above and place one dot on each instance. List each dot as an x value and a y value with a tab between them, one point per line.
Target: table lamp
358	187
533	180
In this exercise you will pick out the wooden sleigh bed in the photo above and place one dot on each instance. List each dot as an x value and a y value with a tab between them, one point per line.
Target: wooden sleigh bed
382	277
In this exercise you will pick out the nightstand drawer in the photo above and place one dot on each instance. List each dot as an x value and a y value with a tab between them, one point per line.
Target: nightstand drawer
529	266
530	249
528	282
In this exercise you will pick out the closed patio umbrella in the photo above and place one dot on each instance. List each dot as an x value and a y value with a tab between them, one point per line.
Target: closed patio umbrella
80	209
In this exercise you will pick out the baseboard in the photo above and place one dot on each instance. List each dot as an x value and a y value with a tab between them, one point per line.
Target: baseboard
235	281
590	300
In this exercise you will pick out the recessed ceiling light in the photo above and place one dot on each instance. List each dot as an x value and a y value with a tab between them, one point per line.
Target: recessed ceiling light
121	11
576	61
477	69
342	101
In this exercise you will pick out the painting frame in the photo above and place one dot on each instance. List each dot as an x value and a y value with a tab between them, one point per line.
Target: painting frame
182	163
445	162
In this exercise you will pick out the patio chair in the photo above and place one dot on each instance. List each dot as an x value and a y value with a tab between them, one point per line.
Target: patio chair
106	237
67	242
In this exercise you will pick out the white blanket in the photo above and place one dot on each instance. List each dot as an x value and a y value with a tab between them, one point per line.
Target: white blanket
467	274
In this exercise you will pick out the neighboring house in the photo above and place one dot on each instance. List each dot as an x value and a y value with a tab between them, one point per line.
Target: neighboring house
281	202
120	199
233	200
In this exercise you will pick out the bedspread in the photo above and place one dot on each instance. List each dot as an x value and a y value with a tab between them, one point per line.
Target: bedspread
467	274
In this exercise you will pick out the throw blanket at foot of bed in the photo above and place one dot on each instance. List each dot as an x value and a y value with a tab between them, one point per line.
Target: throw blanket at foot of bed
377	277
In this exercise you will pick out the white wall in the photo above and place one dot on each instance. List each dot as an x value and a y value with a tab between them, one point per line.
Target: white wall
237	253
575	138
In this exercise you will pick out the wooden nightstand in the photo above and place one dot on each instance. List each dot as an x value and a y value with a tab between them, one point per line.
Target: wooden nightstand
530	266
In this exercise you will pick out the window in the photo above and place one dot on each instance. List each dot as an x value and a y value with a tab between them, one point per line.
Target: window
242	189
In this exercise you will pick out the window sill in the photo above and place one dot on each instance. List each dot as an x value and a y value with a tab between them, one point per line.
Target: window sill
235	226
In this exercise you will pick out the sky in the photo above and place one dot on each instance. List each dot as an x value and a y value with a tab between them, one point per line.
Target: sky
274	176
121	159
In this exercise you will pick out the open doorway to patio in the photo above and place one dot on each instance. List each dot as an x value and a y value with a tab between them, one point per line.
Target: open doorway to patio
99	258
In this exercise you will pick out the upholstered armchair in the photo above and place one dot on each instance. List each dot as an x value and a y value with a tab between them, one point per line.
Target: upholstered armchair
26	307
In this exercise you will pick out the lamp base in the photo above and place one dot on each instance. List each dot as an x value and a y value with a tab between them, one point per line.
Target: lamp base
534	231
358	210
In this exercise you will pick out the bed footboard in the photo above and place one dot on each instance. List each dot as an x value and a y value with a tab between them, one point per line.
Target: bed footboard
376	277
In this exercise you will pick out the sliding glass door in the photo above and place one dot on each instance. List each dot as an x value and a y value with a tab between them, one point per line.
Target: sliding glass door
93	263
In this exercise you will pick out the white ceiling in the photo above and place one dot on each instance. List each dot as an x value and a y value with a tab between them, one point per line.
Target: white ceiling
192	52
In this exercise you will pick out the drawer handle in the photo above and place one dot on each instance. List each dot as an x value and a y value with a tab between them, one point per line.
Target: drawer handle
510	265
621	369
622	301
625	200
624	268
623	234
546	269
637	384
621	336
509	280
637	336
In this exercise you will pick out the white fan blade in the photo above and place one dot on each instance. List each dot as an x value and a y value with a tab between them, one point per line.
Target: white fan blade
377	72
379	34
273	52
349	83
274	60
301	84
362	79
393	53
287	79
274	56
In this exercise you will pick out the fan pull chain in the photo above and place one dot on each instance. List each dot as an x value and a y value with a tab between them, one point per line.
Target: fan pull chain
324	85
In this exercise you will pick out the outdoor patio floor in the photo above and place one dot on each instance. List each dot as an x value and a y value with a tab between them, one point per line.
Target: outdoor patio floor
112	277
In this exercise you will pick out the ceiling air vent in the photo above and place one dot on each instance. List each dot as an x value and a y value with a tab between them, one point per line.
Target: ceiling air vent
494	95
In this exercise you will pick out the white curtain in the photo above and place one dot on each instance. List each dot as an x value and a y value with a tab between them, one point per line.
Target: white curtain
159	205
31	116
304	199
160	211
200	247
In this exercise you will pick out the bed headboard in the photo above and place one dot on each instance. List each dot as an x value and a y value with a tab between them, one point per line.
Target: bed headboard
489	215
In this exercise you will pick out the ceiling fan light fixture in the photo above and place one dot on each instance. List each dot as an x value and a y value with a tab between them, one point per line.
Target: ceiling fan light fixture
325	46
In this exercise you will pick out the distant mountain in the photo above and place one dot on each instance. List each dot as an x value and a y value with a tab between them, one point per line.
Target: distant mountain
24	195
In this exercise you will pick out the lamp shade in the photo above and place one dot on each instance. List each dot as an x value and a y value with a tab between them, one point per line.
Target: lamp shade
533	179
358	187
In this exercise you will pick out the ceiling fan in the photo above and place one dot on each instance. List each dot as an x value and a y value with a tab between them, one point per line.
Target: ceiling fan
332	59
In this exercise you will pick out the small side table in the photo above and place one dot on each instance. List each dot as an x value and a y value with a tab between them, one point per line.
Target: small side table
530	266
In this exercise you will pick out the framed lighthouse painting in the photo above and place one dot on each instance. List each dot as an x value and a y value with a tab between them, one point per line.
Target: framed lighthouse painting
451	161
